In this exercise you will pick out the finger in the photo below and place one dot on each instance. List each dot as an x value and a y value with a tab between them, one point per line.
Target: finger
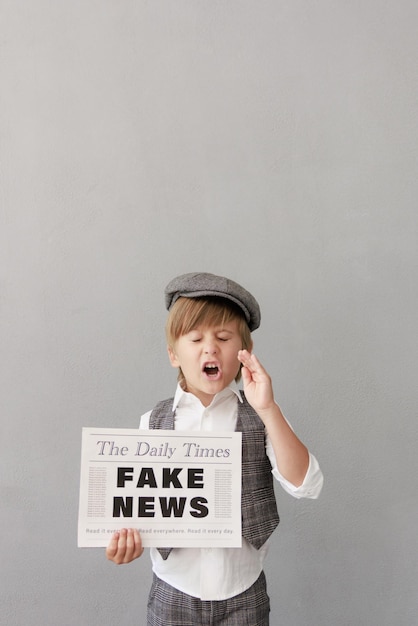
122	540
119	557
130	540
133	545
256	364
246	375
112	548
138	549
244	357
250	361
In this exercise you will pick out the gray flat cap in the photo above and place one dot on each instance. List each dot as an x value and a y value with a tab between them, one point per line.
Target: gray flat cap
201	284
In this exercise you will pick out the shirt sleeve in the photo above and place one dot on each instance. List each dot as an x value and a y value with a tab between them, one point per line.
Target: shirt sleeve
312	483
144	421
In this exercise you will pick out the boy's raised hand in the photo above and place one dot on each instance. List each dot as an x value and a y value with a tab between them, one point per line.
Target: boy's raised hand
124	546
292	457
257	382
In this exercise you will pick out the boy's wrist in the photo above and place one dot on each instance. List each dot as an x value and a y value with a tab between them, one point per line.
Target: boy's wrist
271	413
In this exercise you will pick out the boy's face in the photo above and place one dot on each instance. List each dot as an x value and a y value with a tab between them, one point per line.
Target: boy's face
208	358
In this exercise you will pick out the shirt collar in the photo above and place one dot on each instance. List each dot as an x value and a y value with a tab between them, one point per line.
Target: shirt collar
182	395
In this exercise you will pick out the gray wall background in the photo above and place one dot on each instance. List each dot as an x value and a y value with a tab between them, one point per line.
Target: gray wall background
273	142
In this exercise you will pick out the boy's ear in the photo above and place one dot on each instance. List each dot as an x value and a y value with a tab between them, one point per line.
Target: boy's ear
173	357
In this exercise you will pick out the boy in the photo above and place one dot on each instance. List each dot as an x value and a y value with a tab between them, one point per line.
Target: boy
209	340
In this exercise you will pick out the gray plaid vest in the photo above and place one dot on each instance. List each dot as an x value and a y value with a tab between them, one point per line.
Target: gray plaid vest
258	503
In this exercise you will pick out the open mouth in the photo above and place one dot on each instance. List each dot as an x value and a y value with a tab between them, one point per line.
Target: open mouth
211	370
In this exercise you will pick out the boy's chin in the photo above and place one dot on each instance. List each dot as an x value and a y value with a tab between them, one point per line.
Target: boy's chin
209	387
215	386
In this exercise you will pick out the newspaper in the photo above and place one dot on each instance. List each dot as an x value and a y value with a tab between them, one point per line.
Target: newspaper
178	488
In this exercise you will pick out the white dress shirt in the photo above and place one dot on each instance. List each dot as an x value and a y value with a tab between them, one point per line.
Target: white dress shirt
220	573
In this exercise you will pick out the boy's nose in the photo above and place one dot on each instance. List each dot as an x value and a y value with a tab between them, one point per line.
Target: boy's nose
210	349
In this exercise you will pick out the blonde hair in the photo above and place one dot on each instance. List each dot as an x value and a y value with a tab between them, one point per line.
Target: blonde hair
189	313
